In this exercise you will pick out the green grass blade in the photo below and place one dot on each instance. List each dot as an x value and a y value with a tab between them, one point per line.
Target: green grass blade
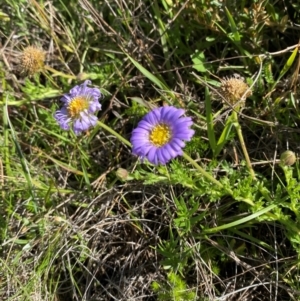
224	136
163	33
158	82
234	29
287	66
23	161
240	221
209	121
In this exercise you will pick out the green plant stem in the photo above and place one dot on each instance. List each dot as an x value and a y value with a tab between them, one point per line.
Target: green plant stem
187	157
241	138
205	173
107	128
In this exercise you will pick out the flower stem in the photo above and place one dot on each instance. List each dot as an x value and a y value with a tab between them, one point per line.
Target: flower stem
241	138
107	128
216	182
206	174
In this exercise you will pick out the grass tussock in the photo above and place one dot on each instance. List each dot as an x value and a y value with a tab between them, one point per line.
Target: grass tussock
82	218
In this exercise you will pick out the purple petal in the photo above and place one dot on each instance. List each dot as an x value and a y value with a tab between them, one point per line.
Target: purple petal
180	132
186	135
153	117
75	91
184	121
62	118
172	114
142	150
84	123
145	125
140	136
66	98
140	133
140	144
86	119
168	148
152	155
163	156
94	107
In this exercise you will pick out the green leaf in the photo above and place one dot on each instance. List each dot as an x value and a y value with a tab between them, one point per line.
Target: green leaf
289	63
234	29
198	59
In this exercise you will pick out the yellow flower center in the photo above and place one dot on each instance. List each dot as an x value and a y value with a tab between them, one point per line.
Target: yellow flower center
160	135
77	105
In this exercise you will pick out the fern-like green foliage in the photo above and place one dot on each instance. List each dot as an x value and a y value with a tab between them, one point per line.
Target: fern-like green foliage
174	290
36	91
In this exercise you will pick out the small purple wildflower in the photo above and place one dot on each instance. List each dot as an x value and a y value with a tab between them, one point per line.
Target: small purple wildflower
79	108
160	134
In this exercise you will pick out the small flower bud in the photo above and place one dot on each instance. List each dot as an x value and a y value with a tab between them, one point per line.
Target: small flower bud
287	158
84	76
122	174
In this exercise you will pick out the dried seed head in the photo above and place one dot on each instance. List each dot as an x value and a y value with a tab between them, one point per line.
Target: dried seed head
288	158
32	60
235	90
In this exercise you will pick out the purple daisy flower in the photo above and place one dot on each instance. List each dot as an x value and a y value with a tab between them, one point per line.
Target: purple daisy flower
79	108
160	134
